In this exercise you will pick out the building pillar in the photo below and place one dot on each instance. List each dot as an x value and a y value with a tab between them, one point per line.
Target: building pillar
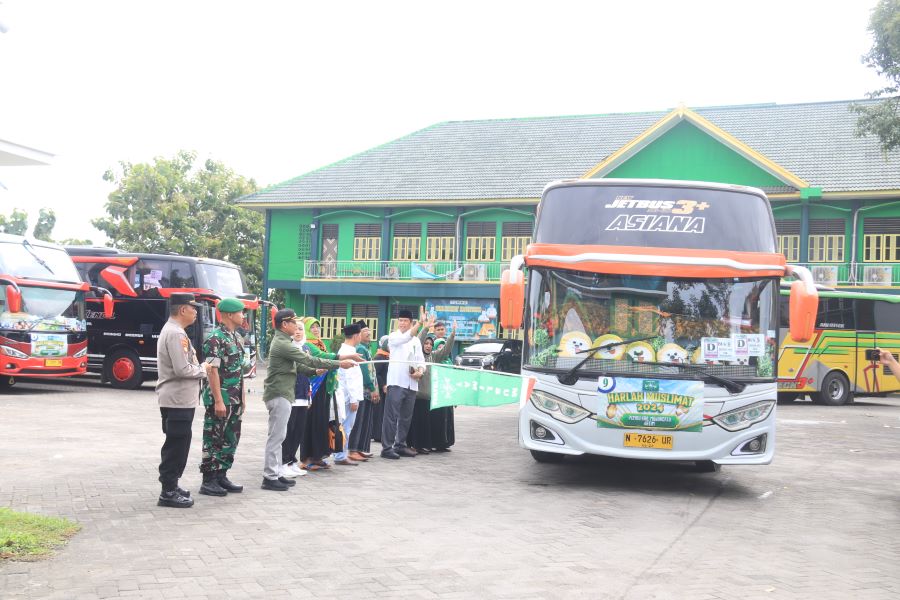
264	293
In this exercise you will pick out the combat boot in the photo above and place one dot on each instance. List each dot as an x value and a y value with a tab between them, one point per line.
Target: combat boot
211	485
227	485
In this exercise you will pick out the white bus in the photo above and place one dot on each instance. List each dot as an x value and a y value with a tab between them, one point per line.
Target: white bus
651	324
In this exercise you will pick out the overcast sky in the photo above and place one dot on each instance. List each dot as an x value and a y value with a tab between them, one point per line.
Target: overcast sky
276	89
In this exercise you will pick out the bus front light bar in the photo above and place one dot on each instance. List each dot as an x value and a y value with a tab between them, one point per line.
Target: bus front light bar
558	408
744	417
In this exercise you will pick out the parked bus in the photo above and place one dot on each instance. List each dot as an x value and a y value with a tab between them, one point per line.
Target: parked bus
651	322
42	311
123	348
832	366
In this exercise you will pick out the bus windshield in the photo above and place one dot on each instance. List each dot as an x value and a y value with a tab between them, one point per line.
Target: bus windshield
45	309
36	261
727	325
224	281
658	217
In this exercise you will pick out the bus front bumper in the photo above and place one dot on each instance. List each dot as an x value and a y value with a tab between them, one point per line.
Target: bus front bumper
62	366
713	443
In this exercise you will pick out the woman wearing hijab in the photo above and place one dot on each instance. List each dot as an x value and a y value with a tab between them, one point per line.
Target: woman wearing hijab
440	420
382	356
299	408
421	436
315	445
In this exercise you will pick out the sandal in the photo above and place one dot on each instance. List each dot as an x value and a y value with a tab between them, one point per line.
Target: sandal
322	464
310	467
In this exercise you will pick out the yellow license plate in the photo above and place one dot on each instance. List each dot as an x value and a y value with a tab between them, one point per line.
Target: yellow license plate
648	440
53	362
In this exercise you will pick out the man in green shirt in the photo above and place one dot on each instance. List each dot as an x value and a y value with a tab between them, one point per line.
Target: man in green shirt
278	392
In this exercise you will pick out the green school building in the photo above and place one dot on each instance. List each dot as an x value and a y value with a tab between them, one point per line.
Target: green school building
436	215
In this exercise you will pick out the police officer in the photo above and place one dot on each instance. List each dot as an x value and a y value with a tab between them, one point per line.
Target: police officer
223	398
177	389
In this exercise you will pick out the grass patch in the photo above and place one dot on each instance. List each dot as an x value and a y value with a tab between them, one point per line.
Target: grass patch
26	537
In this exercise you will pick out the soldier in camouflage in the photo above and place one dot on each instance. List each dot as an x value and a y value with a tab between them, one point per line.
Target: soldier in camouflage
223	398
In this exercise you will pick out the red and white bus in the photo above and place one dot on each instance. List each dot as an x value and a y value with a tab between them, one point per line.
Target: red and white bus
43	331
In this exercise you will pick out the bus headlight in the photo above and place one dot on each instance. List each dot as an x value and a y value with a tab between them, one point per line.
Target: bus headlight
13	352
744	417
558	408
80	353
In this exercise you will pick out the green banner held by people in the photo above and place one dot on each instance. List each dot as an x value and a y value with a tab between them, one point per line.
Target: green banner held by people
452	386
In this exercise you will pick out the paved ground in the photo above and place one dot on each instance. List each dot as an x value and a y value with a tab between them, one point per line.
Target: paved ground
822	521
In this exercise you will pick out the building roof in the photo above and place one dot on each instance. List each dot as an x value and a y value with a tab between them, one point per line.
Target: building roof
512	159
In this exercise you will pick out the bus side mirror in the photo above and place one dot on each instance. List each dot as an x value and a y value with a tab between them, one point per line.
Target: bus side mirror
512	298
107	306
13	299
272	311
803	308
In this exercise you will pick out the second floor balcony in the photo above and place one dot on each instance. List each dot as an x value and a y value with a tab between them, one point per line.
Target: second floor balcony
403	270
855	274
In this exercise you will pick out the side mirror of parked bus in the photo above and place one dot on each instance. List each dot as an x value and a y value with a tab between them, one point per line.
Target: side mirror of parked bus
107	306
272	311
803	308
512	298
13	299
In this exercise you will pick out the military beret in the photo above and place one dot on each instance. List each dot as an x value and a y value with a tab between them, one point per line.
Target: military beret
230	305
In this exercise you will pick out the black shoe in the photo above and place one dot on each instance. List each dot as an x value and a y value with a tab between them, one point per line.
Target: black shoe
212	488
406	452
173	499
228	485
389	454
182	492
287	482
423	450
274	485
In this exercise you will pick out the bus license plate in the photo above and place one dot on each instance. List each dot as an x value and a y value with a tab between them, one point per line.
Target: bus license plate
648	440
53	362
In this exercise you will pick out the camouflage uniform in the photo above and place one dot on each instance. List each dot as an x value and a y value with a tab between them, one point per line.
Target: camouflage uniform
221	434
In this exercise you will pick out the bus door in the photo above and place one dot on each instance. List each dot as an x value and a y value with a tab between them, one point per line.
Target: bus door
879	323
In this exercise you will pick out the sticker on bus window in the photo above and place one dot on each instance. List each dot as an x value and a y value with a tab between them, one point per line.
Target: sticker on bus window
748	344
718	349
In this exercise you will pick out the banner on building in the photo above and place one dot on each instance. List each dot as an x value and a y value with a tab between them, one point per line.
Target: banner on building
476	319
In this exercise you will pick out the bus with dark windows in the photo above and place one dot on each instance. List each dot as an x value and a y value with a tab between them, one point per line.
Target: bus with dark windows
123	348
650	320
42	311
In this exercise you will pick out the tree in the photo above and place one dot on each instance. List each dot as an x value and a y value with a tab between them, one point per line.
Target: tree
16	223
43	229
172	206
883	119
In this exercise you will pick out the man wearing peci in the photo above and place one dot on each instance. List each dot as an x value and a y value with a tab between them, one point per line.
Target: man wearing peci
177	389
405	367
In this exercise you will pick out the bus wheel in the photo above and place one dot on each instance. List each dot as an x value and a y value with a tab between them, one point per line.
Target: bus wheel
123	370
706	466
835	390
547	457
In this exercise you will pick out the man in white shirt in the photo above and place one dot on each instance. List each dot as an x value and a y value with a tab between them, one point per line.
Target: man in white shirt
349	392
406	367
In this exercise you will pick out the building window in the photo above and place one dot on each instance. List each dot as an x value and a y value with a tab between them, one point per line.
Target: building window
789	245
481	240
332	318
881	242
407	241
367	313
367	241
514	238
303	242
440	242
826	240
789	238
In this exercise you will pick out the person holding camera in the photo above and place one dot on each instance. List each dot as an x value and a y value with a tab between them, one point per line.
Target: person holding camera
405	368
223	397
887	359
177	389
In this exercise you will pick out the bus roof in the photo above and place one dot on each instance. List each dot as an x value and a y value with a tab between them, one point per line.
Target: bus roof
100	251
669	183
895	299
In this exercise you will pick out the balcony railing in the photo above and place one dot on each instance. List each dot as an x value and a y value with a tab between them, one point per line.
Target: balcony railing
403	270
855	274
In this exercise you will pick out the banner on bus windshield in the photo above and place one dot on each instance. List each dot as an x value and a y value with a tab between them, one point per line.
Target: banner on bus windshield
638	403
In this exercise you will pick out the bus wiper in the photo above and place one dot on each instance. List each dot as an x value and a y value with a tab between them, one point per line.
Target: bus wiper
570	377
40	260
733	387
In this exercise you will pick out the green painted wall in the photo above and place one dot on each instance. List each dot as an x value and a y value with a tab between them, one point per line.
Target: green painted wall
686	152
786	211
284	235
